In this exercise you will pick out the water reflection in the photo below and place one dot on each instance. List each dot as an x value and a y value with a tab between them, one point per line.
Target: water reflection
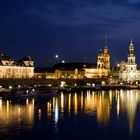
106	107
129	102
56	112
100	105
14	115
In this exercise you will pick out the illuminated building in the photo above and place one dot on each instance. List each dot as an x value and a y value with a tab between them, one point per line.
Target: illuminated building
23	68
75	70
61	70
128	70
103	64
40	72
103	61
91	72
67	70
81	70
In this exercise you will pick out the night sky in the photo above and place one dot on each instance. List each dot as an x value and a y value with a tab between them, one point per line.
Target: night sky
73	29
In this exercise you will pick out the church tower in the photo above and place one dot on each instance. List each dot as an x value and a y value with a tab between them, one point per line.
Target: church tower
100	60
130	72
131	56
106	55
131	62
103	61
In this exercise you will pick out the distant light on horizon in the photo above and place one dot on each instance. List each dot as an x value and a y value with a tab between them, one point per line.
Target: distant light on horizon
63	61
56	56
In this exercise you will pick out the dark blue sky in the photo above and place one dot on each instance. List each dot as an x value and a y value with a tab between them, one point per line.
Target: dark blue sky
74	29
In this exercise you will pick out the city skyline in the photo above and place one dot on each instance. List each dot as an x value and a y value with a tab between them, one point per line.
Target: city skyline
56	58
74	30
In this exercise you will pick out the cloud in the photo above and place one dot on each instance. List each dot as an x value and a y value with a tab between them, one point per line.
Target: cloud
99	15
133	1
87	13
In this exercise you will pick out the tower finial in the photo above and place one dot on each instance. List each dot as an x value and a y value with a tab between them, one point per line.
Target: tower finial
106	39
131	40
131	47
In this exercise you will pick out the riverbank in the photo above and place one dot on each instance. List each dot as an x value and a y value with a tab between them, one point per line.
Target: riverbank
53	82
98	88
65	85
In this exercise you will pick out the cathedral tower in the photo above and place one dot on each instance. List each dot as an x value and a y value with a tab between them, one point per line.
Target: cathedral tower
131	60
130	72
100	60
131	56
103	61
106	55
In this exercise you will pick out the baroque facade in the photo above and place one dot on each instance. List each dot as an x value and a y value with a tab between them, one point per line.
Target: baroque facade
23	68
102	68
67	71
128	70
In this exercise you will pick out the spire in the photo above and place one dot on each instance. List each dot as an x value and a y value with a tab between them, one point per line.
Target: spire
106	45
131	43
131	47
131	40
106	40
131	56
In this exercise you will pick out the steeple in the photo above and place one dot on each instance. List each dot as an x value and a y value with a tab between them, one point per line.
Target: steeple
131	47
131	56
106	40
106	45
131	40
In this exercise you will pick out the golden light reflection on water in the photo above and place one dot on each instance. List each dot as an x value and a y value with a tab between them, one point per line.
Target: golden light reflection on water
75	103
96	104
11	113
62	102
103	109
0	104
99	105
69	106
81	100
129	102
118	106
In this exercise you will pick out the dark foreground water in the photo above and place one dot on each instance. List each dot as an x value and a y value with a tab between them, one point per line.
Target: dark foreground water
82	115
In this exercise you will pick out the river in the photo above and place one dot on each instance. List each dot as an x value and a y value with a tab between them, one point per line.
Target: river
97	115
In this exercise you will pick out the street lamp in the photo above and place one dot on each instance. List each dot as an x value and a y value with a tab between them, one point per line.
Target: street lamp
118	65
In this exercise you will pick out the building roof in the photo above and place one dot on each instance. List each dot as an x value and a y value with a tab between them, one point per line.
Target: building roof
26	58
43	70
72	66
5	57
21	62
